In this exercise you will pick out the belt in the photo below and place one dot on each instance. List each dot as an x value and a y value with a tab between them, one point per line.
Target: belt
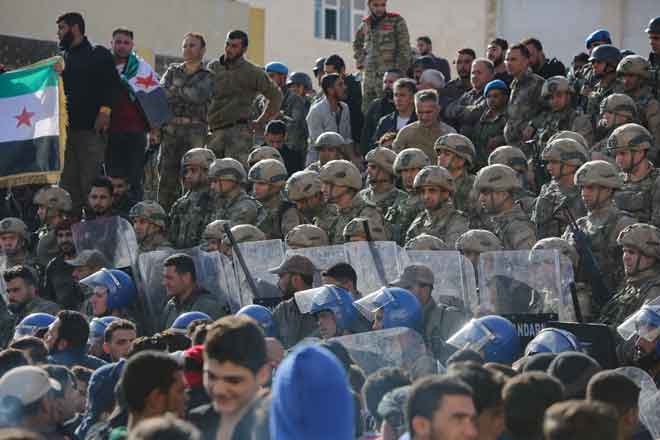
232	124
182	120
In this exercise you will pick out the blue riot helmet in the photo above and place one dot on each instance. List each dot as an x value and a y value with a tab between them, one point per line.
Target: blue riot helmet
181	323
643	324
32	324
98	326
120	286
337	300
553	340
391	307
264	318
496	338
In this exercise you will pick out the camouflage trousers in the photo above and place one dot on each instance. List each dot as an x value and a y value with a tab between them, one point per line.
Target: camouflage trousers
236	142
372	87
176	140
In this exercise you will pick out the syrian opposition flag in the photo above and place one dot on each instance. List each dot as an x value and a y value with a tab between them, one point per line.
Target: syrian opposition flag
32	124
144	86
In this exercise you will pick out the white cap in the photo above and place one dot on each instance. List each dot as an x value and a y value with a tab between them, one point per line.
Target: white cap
28	384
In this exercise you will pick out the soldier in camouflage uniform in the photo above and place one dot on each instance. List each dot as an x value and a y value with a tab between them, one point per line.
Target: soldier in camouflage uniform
54	203
149	221
583	80
381	43
355	230
340	183
227	178
488	132
188	214
13	244
615	110
641	254
496	185
639	196
304	190
426	242
563	158
407	164
439	218
242	234
261	153
380	179
515	159
456	154
475	242
598	180
213	235
604	60
188	87
306	236
268	177
330	146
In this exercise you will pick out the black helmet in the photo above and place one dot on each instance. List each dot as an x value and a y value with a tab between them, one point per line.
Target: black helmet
654	26
300	78
318	65
606	53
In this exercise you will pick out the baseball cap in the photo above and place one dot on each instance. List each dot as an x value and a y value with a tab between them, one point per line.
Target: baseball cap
413	275
89	257
27	383
295	264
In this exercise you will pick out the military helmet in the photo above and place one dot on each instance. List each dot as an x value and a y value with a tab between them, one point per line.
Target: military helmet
563	246
227	169
458	144
244	234
150	210
261	153
507	155
54	197
497	177
383	158
654	26
607	53
554	85
634	65
300	78
478	241
306	236
201	157
629	137
215	230
566	134
329	139
598	172
641	236
268	171
434	175
410	158
302	185
13	225
566	151
342	173
620	104
426	242
356	227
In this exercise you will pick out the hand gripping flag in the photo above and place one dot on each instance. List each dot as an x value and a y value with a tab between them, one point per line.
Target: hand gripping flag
144	86
33	123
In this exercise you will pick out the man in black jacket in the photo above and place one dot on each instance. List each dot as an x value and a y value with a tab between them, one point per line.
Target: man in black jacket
335	64
404	113
378	108
539	63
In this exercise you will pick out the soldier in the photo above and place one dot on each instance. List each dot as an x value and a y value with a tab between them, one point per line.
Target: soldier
496	185
22	284
381	43
475	242
59	285
407	164
188	86
583	80
380	178
304	189
488	131
525	98
213	235
439	218
641	252
604	60
515	159
149	221
456	153
306	236
268	177
242	234
329	146
356	230
340	183
563	158
227	178
426	242
598	180
188	214
635	71
53	205
639	197
236	83
13	243
615	110
262	153
465	111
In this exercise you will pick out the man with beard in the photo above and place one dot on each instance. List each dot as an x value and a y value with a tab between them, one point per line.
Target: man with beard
13	243
53	205
90	84
228	177
425	49
149	221
59	284
495	53
456	87
378	108
22	294
539	63
304	190
122	197
381	190
466	111
99	199
296	273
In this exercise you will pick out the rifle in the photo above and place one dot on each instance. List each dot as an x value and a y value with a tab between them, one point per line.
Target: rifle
379	263
241	261
541	175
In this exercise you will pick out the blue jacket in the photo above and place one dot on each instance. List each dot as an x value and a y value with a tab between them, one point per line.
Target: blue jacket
75	356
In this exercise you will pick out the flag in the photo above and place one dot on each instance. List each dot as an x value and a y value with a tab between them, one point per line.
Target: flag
33	123
144	85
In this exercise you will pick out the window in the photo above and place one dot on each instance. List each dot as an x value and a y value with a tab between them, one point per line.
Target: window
338	19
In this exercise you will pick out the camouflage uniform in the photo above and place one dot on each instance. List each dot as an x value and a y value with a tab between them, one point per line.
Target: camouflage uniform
426	242
306	236
356	228
461	147
601	91
188	96
235	86
51	198
155	214
466	111
21	256
619	105
524	104
303	185
384	159
328	139
415	136
237	207
380	44
490	126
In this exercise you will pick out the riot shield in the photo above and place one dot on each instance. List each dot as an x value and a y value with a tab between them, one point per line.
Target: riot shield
649	414
259	256
454	280
3	287
369	265
395	347
113	236
323	257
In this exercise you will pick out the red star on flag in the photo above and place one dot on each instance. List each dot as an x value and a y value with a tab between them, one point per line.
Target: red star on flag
146	81
24	118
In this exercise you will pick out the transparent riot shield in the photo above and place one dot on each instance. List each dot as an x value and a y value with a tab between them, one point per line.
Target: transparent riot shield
396	347
649	414
113	236
453	276
259	256
210	270
377	263
3	287
323	257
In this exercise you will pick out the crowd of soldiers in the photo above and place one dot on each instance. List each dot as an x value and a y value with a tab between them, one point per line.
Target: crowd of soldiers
527	187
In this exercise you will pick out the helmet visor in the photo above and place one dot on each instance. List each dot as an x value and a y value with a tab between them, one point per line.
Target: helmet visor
372	303
645	323
474	335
